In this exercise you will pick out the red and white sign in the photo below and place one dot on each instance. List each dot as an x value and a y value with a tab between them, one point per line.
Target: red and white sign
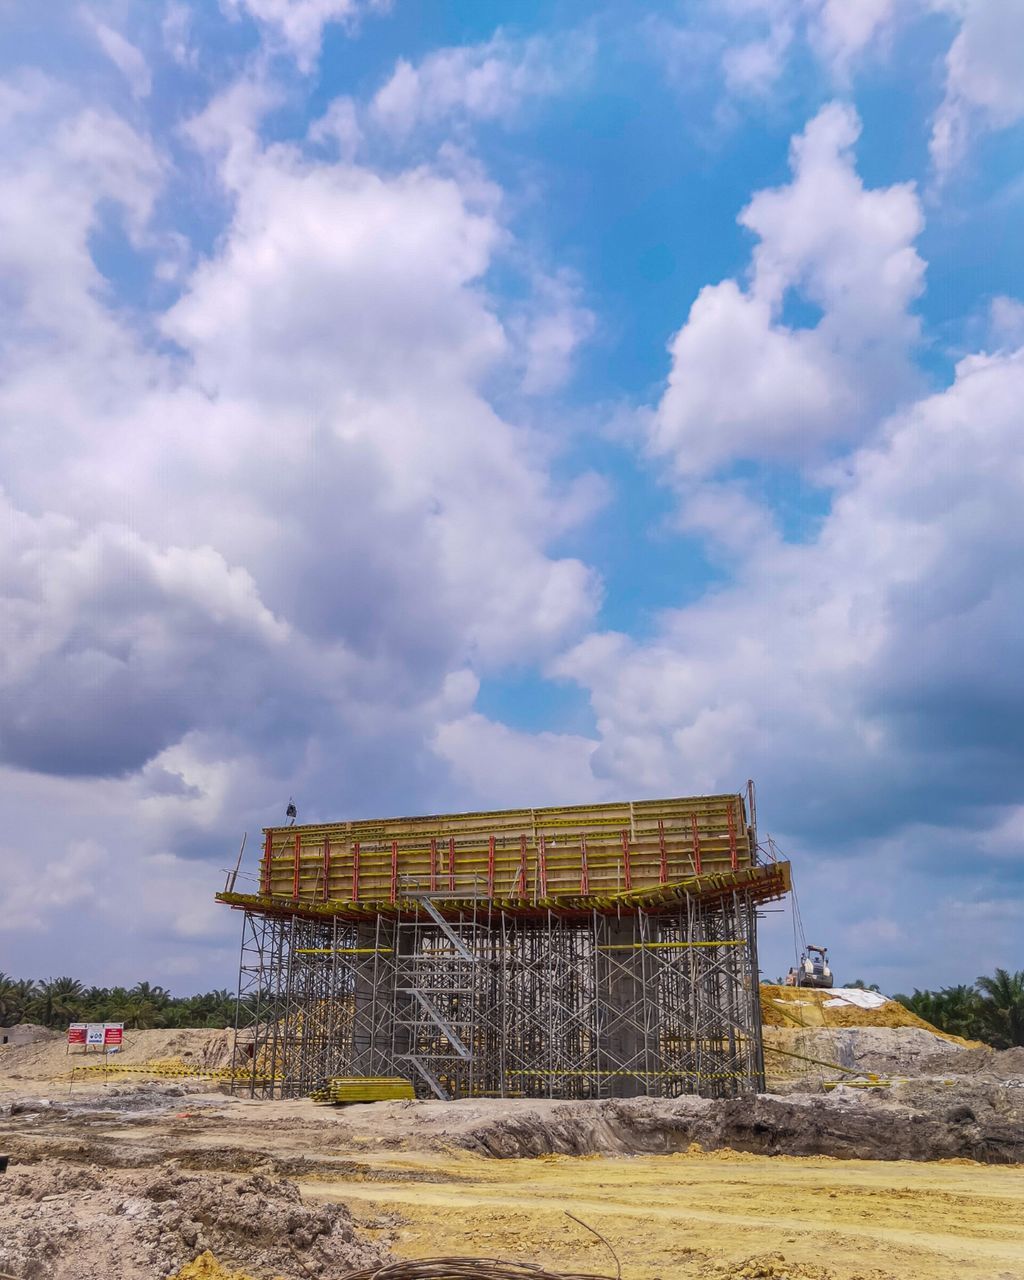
97	1035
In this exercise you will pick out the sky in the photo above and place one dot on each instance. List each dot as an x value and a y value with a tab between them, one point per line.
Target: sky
443	405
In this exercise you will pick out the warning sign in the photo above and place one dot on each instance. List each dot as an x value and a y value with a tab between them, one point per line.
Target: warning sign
107	1036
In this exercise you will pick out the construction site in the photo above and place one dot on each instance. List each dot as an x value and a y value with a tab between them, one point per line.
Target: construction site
539	1036
585	952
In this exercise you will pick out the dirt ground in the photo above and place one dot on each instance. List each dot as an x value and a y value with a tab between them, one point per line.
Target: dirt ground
417	1182
699	1214
170	1178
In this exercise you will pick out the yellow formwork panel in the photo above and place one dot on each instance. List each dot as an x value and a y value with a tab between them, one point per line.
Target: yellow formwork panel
510	856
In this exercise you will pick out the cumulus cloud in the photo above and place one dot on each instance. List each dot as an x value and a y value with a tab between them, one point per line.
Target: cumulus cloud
749	45
339	127
984	85
267	542
488	81
841	32
113	649
545	767
1006	322
551	331
303	512
867	678
297	26
743	383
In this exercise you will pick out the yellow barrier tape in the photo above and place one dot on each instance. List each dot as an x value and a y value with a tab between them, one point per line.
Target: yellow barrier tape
208	1073
696	1075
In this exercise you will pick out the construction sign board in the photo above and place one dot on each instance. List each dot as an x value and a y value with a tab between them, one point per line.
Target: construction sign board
107	1036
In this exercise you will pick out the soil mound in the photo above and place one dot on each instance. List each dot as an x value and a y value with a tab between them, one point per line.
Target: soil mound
805	1007
23	1033
795	1057
1001	1064
67	1222
847	1123
197	1047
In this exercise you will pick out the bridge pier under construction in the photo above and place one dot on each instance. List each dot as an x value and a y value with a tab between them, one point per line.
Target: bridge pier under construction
601	951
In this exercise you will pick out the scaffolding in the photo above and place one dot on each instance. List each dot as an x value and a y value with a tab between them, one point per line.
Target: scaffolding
649	990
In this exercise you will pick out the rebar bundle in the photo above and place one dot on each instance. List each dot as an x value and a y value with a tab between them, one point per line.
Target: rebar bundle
467	1269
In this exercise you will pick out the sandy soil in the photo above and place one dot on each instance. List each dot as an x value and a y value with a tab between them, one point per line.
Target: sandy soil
698	1215
24	1067
135	1179
416	1183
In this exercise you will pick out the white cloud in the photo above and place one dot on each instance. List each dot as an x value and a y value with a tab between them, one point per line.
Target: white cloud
842	31
893	629
539	769
34	892
743	383
175	32
112	648
868	679
125	56
1006	322
551	331
753	68
488	81
50	208
297	26
750	44
269	539
339	126
267	548
984	85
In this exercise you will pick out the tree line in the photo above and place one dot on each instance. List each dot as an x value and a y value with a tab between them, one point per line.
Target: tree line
56	1002
991	1009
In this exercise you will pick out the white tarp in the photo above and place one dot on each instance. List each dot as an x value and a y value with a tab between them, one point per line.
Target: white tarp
855	995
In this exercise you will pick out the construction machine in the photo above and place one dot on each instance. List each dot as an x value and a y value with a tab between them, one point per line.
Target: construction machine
812	971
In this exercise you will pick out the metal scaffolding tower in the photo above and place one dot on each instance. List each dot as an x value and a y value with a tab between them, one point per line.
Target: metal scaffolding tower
648	989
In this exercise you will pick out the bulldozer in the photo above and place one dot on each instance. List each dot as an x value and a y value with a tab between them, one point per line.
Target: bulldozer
812	971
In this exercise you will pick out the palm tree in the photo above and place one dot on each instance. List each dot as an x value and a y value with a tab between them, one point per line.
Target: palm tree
156	996
12	1003
57	1001
138	1014
954	1010
1001	1008
95	1002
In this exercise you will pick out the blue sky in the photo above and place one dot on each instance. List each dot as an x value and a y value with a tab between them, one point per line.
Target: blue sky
406	407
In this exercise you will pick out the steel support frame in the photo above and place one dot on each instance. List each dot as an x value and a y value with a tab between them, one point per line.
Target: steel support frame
490	1004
